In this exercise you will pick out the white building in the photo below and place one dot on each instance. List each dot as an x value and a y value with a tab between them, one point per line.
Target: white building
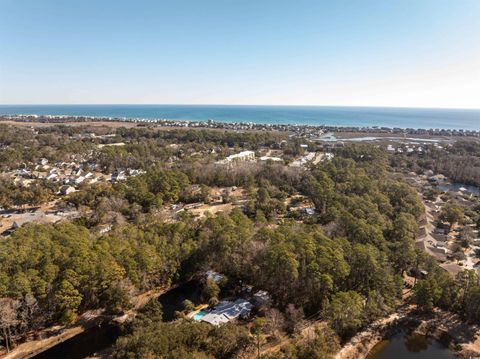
226	311
119	176
268	158
242	156
239	157
52	177
79	180
328	156
66	190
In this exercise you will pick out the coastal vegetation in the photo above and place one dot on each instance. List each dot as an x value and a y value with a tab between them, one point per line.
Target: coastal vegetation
343	264
460	162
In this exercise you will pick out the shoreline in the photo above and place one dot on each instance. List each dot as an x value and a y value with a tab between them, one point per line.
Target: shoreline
463	339
360	345
309	131
86	321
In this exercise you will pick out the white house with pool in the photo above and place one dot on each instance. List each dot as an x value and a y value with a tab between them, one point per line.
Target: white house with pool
225	312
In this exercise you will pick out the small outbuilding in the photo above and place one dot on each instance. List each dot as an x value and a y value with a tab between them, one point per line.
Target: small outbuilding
261	298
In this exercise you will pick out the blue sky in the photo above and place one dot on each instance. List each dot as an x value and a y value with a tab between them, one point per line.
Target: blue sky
418	53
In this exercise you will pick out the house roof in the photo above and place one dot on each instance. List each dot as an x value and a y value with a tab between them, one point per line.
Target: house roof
274	159
226	311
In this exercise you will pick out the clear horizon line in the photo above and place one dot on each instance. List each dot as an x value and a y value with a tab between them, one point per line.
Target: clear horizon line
240	105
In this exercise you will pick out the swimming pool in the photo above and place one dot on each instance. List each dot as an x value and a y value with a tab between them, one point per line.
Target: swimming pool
197	317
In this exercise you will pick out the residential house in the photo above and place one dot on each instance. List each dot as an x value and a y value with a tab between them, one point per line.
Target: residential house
66	190
227	311
79	180
269	158
239	157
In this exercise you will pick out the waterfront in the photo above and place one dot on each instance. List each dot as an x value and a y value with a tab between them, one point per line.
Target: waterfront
103	337
403	345
275	115
459	187
85	344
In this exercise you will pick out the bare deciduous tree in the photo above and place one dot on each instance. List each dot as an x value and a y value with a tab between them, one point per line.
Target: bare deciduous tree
8	319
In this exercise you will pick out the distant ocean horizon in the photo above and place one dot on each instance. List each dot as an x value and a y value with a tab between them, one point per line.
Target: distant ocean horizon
417	118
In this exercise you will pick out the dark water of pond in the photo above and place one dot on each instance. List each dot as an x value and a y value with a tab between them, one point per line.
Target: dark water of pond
85	344
102	337
455	187
410	346
172	300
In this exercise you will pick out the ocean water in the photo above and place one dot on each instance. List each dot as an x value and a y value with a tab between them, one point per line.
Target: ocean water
301	115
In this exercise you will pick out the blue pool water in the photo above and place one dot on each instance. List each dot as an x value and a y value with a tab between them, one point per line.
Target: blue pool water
197	317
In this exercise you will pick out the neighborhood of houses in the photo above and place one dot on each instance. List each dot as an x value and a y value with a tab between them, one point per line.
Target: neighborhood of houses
69	176
300	161
440	239
413	146
44	214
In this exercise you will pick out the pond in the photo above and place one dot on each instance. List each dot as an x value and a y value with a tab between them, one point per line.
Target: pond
172	300
85	344
104	336
410	346
456	187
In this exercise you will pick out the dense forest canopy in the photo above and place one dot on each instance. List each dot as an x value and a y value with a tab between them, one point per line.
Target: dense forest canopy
350	256
371	219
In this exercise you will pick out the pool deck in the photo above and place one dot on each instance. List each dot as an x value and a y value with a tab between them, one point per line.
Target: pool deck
197	310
